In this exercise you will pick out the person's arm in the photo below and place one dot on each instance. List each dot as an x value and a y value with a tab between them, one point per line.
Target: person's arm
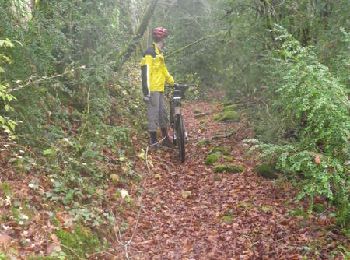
146	63
168	78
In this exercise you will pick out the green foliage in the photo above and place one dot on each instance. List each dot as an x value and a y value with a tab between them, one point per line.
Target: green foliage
192	44
312	99
75	112
312	104
5	96
221	149
79	243
227	115
228	218
266	170
212	158
340	65
204	142
228	168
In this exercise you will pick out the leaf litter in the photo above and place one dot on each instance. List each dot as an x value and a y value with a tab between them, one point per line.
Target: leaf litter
189	212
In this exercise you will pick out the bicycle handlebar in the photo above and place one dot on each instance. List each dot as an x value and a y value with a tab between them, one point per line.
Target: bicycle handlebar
179	90
181	85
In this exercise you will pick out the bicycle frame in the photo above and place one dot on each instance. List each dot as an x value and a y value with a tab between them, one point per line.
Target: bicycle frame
175	102
176	120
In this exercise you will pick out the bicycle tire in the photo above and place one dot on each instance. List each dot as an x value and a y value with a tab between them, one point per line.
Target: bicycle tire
180	132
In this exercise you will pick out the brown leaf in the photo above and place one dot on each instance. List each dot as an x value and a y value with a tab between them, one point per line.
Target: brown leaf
186	194
317	159
5	240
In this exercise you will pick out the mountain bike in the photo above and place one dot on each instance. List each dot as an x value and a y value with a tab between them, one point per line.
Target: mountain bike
177	121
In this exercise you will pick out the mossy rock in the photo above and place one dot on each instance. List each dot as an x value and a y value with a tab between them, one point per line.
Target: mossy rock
212	158
221	149
226	116
228	168
267	171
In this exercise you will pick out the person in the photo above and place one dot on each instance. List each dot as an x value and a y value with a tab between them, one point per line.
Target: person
154	77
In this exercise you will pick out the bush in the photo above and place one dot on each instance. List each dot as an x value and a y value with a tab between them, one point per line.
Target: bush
314	102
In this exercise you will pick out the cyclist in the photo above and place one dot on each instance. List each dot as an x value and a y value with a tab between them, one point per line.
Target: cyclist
154	76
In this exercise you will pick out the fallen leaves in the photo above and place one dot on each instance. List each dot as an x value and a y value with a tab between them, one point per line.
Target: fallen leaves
66	221
54	245
190	213
187	212
5	241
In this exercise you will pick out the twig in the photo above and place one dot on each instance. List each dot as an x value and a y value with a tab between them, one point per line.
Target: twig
194	43
127	244
102	252
66	247
32	79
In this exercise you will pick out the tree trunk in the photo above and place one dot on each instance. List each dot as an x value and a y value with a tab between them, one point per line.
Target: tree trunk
125	55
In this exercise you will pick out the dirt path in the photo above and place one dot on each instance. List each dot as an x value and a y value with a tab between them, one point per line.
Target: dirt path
189	212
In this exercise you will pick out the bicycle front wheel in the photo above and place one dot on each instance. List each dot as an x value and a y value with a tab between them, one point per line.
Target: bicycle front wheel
180	132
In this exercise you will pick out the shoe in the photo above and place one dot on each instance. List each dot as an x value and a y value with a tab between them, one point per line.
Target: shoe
153	143
167	143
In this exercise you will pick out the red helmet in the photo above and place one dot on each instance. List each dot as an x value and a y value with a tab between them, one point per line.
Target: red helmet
159	33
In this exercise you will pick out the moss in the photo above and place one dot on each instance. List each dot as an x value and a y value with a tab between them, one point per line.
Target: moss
266	170
212	158
228	219
81	242
221	149
6	188
228	168
298	212
228	216
319	208
231	107
228	158
266	209
228	103
204	142
227	116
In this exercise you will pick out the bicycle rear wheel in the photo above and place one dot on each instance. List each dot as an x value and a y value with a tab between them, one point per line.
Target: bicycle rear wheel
180	133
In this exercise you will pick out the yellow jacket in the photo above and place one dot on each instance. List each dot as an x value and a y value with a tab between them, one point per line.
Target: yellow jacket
154	71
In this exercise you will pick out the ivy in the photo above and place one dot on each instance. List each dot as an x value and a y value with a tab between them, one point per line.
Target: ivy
6	124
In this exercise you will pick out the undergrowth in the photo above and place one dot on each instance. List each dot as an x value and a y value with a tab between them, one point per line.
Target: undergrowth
312	103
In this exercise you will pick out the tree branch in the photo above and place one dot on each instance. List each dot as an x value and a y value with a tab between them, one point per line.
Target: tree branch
125	55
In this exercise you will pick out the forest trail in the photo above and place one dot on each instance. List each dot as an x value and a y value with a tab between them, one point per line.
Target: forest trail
190	212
